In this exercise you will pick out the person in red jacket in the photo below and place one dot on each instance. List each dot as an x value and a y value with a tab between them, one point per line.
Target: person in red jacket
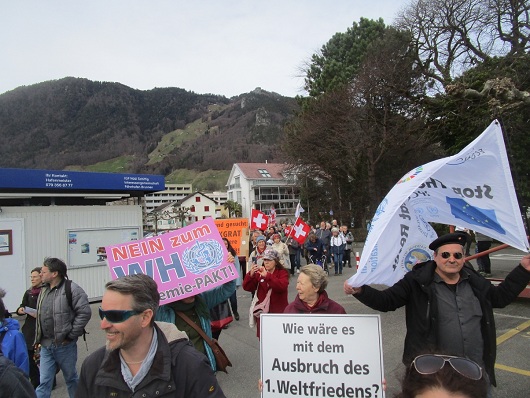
271	275
312	296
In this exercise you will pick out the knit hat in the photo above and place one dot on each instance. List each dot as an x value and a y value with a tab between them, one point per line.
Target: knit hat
261	237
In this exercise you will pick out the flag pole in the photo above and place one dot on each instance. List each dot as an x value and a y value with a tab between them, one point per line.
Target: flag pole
291	230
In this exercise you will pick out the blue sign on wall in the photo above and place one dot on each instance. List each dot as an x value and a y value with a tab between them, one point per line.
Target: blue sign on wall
79	180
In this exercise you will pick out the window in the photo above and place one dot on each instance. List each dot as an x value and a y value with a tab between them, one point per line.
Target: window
264	173
206	208
192	209
197	198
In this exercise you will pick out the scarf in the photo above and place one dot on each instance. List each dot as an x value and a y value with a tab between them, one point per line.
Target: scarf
133	381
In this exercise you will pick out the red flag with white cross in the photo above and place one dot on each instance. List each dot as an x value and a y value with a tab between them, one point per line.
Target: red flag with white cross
300	231
258	220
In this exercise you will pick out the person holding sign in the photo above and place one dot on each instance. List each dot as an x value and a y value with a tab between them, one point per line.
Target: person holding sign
141	357
449	306
434	376
312	297
271	276
197	309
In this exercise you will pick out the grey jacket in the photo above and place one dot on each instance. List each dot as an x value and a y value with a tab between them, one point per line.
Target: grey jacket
68	324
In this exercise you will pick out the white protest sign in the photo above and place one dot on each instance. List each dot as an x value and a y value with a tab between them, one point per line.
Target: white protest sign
324	355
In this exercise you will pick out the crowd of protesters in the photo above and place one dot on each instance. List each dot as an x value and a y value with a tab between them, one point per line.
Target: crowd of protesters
166	357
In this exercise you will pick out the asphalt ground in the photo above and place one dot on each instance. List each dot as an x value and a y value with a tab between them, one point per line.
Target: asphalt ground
242	346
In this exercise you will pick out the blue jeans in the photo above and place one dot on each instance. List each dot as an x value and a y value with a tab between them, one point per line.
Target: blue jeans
337	260
65	356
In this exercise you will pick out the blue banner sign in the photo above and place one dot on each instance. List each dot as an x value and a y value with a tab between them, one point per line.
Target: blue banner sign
79	180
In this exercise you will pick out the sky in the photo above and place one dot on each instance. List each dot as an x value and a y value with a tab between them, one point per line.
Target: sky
225	47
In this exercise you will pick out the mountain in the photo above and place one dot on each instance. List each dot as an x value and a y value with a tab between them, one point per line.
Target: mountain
75	123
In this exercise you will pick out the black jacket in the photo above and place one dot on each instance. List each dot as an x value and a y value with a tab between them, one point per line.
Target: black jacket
416	292
178	371
13	382
28	329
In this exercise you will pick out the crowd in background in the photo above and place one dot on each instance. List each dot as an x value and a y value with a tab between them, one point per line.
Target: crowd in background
140	350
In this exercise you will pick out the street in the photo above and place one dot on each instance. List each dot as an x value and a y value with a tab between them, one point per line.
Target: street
242	346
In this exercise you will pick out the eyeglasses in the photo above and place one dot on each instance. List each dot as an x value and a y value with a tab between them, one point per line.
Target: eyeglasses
431	363
457	256
117	316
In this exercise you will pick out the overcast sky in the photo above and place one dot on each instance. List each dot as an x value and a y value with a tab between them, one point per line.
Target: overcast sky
226	47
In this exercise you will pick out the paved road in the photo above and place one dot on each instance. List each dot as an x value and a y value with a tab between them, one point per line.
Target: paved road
241	344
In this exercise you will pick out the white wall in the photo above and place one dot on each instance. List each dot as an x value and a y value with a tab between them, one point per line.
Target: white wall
12	265
45	235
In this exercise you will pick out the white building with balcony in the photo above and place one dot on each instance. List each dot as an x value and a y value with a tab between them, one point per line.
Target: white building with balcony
262	185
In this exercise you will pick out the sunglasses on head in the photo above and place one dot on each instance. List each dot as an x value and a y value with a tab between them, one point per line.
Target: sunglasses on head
117	316
431	363
457	255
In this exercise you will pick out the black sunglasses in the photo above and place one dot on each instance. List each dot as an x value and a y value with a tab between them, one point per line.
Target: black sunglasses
457	256
431	363
117	316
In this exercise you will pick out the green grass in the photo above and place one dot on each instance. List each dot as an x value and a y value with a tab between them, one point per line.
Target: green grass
176	138
115	165
209	180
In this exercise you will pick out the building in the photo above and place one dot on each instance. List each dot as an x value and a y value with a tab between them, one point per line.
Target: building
66	214
194	207
172	193
262	185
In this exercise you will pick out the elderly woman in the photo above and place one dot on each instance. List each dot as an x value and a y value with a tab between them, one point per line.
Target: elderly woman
337	244
282	249
256	257
312	296
271	276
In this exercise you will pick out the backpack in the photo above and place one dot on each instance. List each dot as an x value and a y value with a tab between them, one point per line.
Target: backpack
68	291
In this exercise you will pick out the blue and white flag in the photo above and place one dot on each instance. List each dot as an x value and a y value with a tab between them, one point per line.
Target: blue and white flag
472	189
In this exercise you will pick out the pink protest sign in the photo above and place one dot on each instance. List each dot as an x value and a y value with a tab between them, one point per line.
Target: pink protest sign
183	262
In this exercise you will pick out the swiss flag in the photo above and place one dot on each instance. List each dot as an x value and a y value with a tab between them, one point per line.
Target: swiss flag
258	220
273	216
300	231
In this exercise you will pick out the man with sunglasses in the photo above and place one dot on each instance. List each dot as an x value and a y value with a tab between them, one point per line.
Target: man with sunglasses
142	358
449	306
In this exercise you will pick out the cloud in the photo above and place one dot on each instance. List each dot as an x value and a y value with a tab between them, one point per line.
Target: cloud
222	47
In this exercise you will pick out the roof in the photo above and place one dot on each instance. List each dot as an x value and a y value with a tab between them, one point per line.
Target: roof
191	195
178	203
252	170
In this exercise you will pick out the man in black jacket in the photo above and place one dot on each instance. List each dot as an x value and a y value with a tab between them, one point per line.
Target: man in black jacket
449	306
140	358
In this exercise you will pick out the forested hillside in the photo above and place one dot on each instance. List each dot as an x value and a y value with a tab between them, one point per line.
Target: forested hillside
77	123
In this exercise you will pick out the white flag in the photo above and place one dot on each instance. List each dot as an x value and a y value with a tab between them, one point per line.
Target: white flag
299	209
472	189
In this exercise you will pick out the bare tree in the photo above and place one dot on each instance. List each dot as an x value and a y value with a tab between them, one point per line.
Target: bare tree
450	36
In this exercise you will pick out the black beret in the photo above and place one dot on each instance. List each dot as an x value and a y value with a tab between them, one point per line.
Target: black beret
456	237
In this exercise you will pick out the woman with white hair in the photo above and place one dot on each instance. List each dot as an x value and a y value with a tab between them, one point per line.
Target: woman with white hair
312	296
337	244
